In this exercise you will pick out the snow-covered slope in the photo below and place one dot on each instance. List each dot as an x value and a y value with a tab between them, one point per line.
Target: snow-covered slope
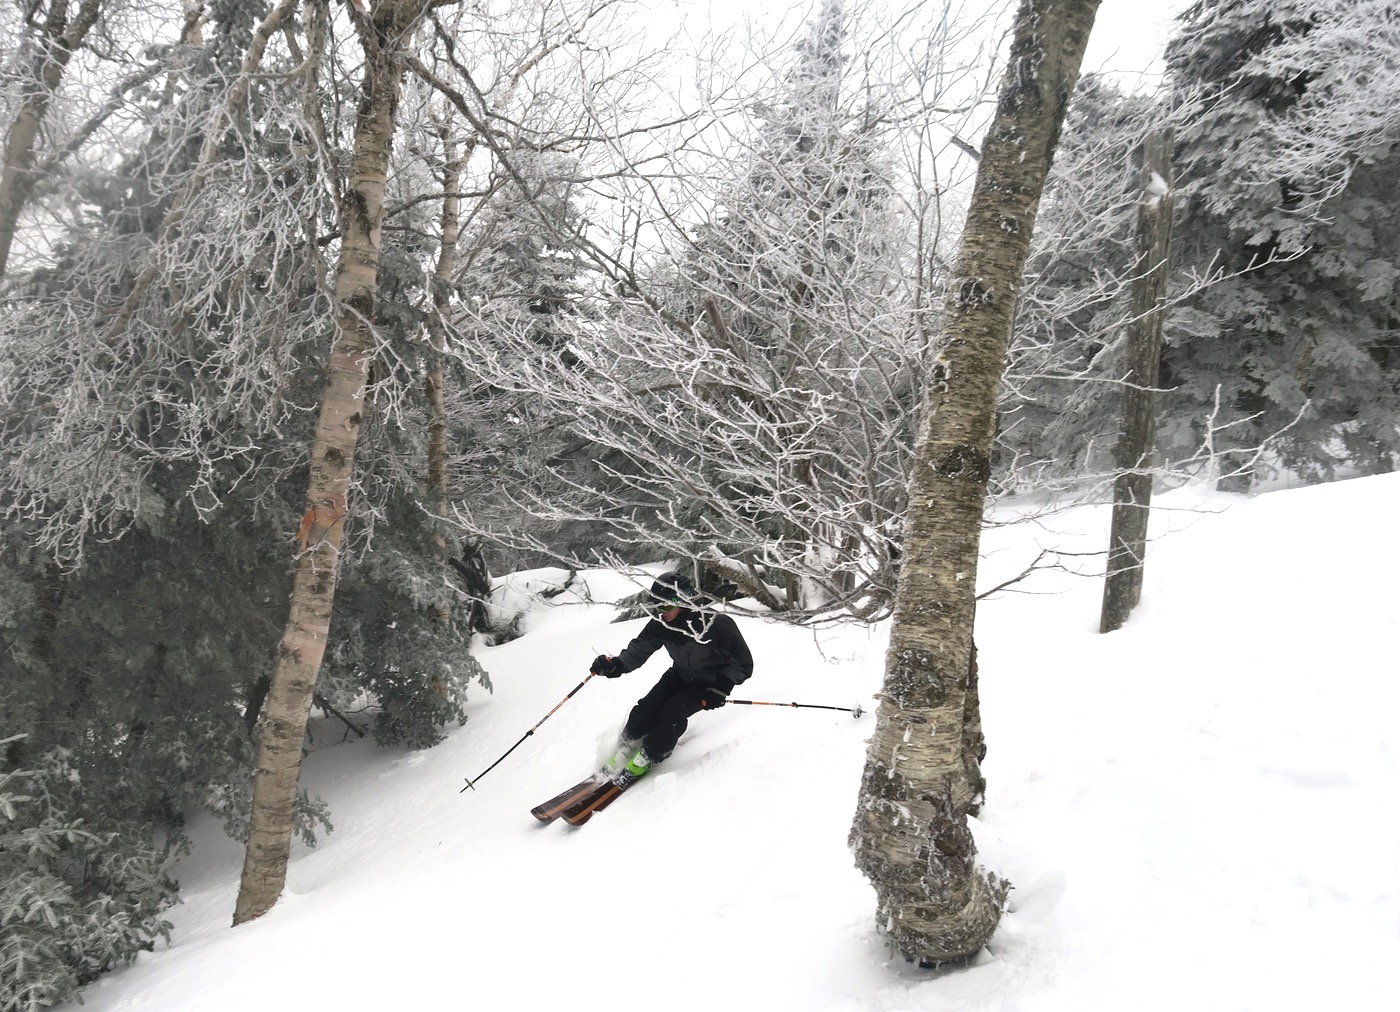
1197	812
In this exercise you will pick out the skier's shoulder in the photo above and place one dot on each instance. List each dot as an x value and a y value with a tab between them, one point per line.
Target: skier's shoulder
724	621
724	625
728	618
649	637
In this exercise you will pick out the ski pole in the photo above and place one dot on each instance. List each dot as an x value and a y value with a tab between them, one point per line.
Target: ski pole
855	710
472	782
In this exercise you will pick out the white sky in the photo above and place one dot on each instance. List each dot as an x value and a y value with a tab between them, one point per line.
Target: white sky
1127	38
1129	34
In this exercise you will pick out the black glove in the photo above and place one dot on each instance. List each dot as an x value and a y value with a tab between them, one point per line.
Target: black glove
608	667
714	698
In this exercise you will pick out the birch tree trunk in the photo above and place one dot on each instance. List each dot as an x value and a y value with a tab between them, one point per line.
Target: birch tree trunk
58	40
910	833
384	33
1132	486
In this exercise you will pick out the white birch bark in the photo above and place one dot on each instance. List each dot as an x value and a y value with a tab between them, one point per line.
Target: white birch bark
910	835
385	34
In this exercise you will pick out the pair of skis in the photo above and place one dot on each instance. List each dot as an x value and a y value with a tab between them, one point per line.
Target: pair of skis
579	803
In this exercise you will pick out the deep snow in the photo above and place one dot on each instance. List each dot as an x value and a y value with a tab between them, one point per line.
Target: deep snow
1197	812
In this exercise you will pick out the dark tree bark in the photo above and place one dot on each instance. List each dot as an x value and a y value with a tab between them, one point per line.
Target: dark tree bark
1133	454
910	834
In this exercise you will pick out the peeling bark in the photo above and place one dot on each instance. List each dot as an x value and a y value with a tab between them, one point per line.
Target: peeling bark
385	34
910	834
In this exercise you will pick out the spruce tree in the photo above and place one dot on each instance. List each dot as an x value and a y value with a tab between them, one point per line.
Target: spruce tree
799	265
155	374
520	296
1058	416
1297	342
1283	304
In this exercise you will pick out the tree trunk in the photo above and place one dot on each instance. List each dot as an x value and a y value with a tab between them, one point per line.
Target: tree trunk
974	742
252	710
384	34
910	833
1132	487
56	44
1238	468
434	383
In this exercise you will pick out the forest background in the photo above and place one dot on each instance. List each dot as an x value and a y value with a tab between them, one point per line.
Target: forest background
615	319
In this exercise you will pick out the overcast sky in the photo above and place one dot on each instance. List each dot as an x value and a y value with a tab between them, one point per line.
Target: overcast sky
1128	35
1127	38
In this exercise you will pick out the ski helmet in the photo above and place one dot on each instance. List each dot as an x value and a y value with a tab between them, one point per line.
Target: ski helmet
672	590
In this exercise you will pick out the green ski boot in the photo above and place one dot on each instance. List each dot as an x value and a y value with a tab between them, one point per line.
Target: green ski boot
626	749
635	769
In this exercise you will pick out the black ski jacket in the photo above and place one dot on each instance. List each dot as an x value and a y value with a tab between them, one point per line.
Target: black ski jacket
705	648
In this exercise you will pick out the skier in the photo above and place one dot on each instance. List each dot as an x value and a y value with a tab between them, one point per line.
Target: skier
708	658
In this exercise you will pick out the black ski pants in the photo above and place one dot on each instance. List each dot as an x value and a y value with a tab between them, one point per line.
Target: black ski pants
660	717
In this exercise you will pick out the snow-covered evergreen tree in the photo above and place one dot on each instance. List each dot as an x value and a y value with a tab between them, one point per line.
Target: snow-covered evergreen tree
155	373
1298	341
78	895
801	258
1283	309
744	388
1059	411
520	297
